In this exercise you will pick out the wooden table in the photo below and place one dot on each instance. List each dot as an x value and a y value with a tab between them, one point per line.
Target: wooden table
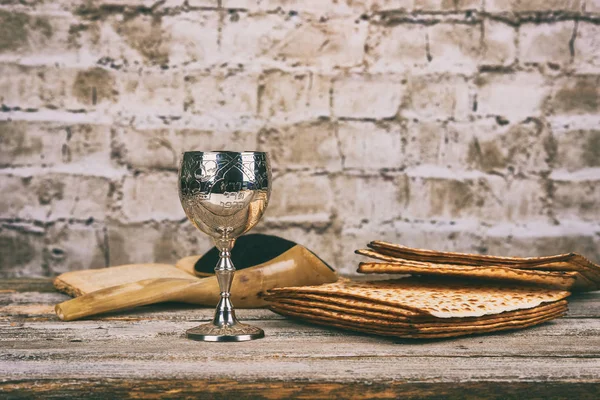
144	353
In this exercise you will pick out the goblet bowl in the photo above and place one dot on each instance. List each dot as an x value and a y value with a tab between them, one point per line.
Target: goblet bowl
224	194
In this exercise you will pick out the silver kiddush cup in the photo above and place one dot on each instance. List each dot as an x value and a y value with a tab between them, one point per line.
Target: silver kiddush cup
224	194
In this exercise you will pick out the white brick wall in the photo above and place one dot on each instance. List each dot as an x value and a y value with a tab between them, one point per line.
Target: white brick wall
587	57
359	96
513	96
546	43
461	125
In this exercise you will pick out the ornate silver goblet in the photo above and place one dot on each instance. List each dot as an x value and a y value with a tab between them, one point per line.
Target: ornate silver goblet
224	194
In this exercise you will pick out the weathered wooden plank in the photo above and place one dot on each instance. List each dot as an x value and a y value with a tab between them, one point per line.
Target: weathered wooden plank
270	389
41	305
95	341
326	368
115	329
26	285
144	351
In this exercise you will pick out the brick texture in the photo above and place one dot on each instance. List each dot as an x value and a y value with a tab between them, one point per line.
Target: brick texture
461	125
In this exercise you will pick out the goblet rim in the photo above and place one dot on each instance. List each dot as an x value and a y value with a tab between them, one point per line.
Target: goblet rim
223	152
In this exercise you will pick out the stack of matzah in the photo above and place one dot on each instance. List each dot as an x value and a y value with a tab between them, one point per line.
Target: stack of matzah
454	294
564	271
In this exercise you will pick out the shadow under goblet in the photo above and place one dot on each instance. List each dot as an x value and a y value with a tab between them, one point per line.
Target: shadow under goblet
224	194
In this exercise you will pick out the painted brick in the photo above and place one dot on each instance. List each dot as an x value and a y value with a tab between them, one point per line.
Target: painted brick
73	247
513	96
454	46
246	37
592	6
152	92
151	196
424	142
150	40
162	242
22	250
451	199
312	7
481	198
89	8
576	200
444	5
196	3
221	95
48	197
371	146
293	97
437	97
499	43
33	87
330	44
399	5
51	143
369	199
587	45
89	36
291	203
191	38
547	240
399	47
578	95
96	88
425	5
459	235
160	148
54	87
358	96
35	36
522	200
532	5
577	149
525	148
545	43
311	145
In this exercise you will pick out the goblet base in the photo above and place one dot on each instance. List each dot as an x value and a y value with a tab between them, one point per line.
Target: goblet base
237	332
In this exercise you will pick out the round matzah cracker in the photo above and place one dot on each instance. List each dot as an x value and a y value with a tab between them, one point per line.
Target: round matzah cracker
409	327
439	299
405	335
364	312
553	280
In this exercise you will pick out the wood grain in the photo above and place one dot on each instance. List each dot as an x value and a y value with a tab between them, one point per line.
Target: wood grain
145	354
269	389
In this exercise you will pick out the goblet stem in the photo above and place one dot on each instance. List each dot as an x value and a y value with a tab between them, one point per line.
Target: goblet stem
225	314
225	326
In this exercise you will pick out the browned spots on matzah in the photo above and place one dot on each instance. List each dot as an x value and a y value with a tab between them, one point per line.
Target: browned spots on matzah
438	299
